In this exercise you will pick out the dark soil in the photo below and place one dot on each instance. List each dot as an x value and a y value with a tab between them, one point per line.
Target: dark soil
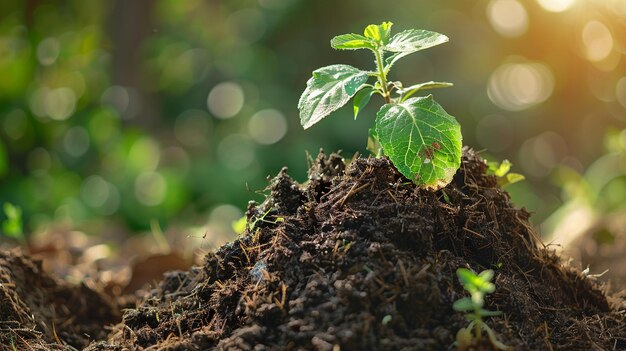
39	312
357	258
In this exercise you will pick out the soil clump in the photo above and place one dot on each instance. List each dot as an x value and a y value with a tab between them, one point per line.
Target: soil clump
359	258
356	258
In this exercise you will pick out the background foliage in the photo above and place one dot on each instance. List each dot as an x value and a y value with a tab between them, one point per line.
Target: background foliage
116	113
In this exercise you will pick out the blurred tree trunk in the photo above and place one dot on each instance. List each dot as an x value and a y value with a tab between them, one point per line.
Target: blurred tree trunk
129	25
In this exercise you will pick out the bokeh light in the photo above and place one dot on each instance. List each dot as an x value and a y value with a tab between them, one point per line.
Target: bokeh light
597	41
267	126
225	100
556	5
508	17
150	188
57	104
76	141
48	51
518	86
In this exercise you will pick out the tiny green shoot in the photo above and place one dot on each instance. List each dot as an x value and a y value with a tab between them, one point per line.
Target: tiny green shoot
478	285
12	225
421	139
501	171
240	225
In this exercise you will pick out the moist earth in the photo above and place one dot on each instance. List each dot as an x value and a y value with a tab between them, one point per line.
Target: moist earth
356	258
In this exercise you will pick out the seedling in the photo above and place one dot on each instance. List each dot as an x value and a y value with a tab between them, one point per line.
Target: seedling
478	285
418	136
501	171
12	226
240	225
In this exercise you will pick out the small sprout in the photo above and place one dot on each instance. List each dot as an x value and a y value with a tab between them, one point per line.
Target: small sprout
386	319
239	226
13	226
478	285
501	171
585	273
420	138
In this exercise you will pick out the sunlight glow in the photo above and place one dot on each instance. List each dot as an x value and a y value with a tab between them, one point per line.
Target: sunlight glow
597	40
556	5
518	86
508	17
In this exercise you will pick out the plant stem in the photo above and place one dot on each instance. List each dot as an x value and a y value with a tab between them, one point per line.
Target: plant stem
382	77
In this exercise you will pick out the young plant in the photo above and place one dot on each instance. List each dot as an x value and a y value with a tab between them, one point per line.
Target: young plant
478	285
418	136
12	226
501	171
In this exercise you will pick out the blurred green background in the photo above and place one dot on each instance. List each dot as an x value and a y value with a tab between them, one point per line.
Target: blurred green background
117	113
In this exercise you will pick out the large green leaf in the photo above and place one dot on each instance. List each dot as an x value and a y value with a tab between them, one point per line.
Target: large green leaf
351	42
414	40
421	139
329	89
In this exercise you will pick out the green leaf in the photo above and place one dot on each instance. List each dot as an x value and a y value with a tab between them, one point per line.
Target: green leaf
239	226
351	42
487	313
361	99
499	169
422	140
408	91
329	89
464	304
512	178
413	40
379	33
12	226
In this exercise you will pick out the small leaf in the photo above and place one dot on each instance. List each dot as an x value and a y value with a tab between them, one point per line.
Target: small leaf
487	313
513	178
239	226
386	319
378	33
464	304
361	99
464	338
413	40
408	91
466	277
499	169
329	89
421	139
486	275
12	226
351	42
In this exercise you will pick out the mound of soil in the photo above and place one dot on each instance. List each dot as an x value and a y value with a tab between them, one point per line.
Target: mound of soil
359	258
39	312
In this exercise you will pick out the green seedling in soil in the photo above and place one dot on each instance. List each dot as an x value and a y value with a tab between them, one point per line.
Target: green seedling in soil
240	225
12	225
478	285
418	136
501	171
